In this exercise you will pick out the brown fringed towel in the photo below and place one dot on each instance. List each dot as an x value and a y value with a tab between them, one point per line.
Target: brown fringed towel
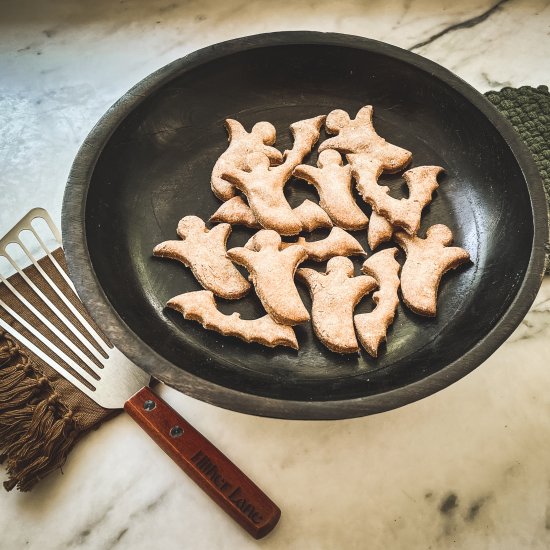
42	415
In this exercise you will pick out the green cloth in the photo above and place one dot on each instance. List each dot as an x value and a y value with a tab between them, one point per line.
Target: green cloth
528	109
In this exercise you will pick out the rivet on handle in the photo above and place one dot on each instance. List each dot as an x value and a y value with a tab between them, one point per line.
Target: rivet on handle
176	431
149	405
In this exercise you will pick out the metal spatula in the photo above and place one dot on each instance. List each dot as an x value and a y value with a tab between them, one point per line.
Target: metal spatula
112	381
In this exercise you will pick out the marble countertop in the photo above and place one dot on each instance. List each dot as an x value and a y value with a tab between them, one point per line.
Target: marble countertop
466	468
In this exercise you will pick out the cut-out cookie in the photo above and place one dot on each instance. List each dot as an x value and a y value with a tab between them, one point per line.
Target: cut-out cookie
335	295
263	185
372	327
200	306
312	216
406	213
241	144
338	243
236	212
380	230
305	134
272	272
204	252
333	183
359	136
427	260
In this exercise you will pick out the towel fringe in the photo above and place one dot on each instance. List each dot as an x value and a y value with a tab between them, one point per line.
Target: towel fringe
37	430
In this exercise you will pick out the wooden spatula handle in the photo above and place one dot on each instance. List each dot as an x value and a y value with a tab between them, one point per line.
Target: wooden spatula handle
241	498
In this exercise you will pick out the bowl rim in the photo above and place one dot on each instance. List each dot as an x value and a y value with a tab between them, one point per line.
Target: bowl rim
90	291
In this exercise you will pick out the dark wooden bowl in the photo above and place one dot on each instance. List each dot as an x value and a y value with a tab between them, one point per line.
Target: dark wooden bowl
147	163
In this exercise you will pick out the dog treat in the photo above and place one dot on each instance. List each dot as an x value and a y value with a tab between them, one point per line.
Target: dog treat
338	243
380	230
335	295
263	188
427	260
263	185
204	252
333	183
359	136
241	144
372	327
200	306
235	211
305	133
406	213
272	272
257	241
312	216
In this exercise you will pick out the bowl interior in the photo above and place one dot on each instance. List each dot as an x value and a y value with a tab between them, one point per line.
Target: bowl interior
156	168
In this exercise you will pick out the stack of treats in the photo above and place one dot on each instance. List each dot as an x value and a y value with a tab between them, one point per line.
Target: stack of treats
260	172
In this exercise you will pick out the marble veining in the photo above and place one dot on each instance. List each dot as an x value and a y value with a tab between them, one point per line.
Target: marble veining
466	468
465	24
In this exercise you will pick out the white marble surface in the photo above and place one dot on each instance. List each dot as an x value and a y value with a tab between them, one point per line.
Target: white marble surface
467	468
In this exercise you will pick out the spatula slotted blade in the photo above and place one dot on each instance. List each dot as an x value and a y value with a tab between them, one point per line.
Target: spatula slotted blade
112	381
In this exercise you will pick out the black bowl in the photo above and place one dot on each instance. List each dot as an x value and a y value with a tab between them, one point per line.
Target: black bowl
147	163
